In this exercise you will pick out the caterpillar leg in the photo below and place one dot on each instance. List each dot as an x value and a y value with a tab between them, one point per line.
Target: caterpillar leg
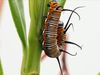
71	24
59	65
69	42
68	52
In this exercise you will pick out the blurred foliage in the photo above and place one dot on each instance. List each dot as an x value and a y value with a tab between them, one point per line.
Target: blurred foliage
1	70
98	73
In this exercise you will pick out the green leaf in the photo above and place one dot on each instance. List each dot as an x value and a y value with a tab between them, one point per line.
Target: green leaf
17	10
1	71
62	2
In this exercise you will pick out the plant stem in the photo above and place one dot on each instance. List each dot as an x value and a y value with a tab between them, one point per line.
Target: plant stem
34	52
23	67
37	11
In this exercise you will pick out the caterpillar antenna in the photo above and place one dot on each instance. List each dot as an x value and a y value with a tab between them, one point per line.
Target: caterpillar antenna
72	11
71	16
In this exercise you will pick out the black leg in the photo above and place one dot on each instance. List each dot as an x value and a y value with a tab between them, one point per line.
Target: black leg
71	24
71	16
59	65
73	44
68	52
72	11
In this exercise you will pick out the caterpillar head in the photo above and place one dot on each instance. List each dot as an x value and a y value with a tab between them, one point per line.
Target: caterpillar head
54	6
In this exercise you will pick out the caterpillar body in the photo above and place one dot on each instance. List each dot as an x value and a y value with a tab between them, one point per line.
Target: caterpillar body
54	35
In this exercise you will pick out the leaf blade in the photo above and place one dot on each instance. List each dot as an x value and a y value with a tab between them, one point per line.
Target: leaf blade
17	11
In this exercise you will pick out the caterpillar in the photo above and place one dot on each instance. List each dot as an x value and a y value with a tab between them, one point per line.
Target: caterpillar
54	34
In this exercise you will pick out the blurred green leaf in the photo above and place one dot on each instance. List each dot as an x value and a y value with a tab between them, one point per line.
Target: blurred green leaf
98	73
17	10
1	70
